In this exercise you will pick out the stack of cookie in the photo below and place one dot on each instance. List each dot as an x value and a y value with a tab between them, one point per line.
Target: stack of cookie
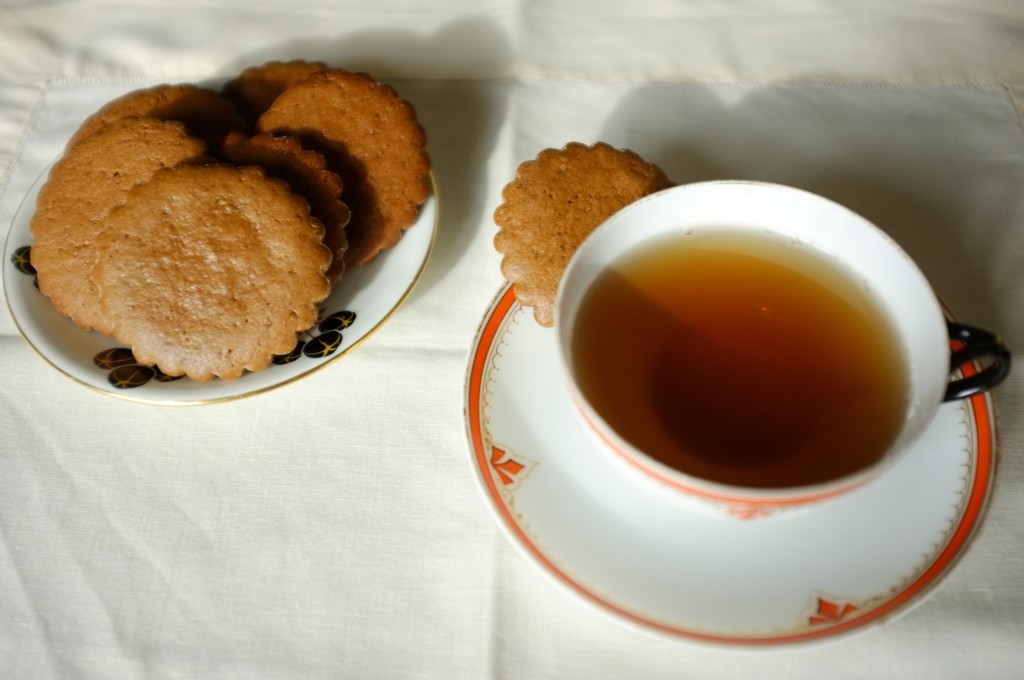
202	228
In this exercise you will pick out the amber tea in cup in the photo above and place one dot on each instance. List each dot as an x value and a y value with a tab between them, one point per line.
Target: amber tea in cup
739	358
757	346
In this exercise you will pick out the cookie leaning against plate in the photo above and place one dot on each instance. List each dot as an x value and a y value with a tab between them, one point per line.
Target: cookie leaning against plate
372	139
92	177
211	270
306	173
554	203
205	113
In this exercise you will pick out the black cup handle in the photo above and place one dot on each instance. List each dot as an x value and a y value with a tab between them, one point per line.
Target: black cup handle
977	344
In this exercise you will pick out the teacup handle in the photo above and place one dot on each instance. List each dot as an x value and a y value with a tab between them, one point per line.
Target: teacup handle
976	344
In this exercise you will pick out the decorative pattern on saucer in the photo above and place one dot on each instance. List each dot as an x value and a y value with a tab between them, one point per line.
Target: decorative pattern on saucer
830	612
689	572
509	468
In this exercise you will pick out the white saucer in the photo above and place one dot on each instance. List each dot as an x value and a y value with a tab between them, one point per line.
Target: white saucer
807	575
363	300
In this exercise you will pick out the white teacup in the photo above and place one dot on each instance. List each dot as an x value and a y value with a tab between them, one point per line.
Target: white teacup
736	463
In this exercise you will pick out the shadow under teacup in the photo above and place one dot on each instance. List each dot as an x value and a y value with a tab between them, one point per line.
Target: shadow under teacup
757	346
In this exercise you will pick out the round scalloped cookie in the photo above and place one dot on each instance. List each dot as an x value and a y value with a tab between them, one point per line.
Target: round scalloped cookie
91	178
306	173
205	113
255	89
372	139
553	204
233	268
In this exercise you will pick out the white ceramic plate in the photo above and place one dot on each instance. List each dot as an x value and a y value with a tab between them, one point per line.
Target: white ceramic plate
690	573
363	300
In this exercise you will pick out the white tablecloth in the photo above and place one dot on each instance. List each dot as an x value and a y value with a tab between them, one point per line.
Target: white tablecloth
334	528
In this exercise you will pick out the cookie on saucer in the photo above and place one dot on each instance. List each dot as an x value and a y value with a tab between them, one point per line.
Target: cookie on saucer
553	204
